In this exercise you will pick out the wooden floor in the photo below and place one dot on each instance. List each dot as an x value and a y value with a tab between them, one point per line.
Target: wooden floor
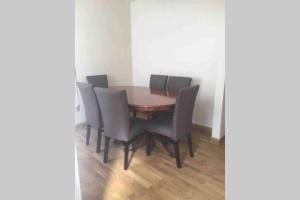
151	178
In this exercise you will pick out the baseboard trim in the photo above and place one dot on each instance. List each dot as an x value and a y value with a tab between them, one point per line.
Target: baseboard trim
208	131
203	129
218	141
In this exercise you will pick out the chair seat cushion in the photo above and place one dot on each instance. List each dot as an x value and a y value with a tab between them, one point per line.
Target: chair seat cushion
137	127
162	124
164	113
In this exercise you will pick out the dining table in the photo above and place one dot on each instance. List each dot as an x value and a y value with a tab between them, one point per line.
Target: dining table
147	100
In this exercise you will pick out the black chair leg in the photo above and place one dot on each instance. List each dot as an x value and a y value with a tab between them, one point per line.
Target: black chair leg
148	144
177	154
106	147
189	139
99	140
88	134
134	114
126	150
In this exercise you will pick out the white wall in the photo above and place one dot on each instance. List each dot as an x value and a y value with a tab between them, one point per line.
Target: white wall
222	131
218	128
184	38
130	41
103	42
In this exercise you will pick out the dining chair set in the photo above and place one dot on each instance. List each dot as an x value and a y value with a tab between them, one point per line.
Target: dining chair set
107	111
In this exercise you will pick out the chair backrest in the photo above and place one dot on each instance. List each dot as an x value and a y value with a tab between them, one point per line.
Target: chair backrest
158	82
92	109
114	108
183	113
98	80
175	83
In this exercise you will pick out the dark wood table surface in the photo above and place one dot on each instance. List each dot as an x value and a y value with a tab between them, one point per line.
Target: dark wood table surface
144	99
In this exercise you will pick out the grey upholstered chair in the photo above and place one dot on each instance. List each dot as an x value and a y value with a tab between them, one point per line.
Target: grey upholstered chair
177	126
175	83
117	123
158	82
98	80
92	112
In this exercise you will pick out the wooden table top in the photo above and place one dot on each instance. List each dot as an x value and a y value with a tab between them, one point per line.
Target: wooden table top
146	99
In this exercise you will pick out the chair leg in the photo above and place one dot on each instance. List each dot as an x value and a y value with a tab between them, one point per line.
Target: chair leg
189	139
149	115
99	140
148	144
106	147
126	151
177	154
134	114
88	134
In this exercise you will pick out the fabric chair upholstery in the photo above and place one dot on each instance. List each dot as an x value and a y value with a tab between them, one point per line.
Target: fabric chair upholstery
98	80
183	112
161	124
180	124
116	119
92	110
175	83
158	82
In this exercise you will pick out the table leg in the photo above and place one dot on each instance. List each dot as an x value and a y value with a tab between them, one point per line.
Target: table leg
149	115
152	141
